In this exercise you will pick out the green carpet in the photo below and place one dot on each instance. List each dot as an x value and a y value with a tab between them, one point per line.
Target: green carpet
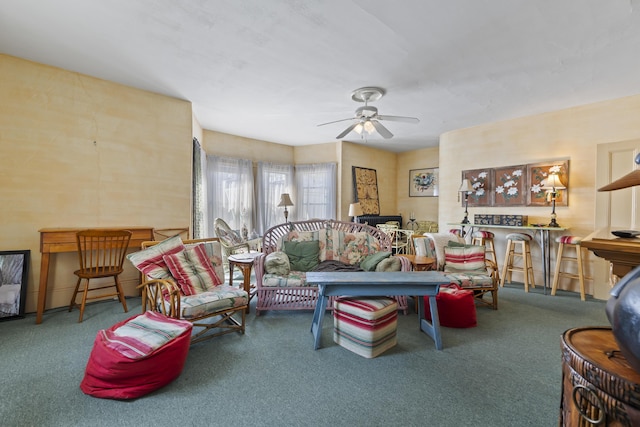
504	372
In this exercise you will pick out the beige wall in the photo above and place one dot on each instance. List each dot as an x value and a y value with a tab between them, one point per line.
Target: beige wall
76	151
224	144
424	208
573	133
384	162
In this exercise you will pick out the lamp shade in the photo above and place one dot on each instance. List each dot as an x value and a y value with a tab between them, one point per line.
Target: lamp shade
285	200
553	182
466	186
355	209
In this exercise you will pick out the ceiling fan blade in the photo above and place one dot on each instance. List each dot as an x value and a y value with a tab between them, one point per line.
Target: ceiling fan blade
336	121
347	130
381	129
399	119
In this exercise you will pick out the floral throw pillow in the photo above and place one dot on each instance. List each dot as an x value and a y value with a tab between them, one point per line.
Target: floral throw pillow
192	270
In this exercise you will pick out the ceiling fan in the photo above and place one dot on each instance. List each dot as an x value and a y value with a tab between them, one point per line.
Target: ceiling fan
367	119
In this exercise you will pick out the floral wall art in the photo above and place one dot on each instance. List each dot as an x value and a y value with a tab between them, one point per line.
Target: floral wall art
508	184
423	182
538	173
481	182
520	185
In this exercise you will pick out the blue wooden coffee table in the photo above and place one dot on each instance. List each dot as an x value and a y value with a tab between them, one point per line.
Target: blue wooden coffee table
369	284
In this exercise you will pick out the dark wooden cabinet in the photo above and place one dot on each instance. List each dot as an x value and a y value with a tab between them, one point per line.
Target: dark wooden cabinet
599	387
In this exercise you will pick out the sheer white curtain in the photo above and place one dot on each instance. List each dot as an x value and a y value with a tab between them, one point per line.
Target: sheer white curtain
199	174
316	191
230	192
273	180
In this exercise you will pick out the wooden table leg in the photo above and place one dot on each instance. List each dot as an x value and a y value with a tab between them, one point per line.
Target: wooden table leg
42	290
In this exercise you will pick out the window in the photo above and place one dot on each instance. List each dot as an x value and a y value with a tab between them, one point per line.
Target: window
315	191
230	191
273	180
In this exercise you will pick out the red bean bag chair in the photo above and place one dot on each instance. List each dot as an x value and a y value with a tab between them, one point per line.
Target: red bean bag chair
456	307
136	356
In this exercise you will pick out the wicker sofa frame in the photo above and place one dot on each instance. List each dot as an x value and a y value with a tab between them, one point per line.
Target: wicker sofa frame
305	297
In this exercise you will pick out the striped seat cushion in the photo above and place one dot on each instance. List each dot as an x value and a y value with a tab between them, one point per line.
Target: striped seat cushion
220	298
519	236
483	235
470	279
144	334
569	240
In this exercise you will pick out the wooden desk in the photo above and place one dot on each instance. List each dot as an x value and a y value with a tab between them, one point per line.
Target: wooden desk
623	254
57	240
371	283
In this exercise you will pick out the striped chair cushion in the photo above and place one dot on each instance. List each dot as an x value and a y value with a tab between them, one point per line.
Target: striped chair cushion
465	258
150	261
220	298
425	246
483	235
192	270
519	236
470	279
569	240
143	334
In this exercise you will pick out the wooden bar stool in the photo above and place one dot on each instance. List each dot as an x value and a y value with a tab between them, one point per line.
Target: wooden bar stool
513	241
485	238
571	242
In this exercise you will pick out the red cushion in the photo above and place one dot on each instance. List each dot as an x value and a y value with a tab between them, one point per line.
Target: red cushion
110	374
456	308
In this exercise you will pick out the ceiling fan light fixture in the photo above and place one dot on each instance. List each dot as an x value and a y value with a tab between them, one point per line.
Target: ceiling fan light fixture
368	127
359	128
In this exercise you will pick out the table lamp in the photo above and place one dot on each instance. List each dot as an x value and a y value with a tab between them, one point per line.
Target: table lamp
467	189
553	184
355	210
285	200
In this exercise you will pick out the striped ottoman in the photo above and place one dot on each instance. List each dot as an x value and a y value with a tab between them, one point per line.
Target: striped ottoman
365	326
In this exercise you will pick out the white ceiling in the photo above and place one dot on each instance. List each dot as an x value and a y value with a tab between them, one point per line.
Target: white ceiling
274	69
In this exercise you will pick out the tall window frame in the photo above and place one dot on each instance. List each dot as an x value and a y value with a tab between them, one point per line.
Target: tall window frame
230	191
316	190
273	179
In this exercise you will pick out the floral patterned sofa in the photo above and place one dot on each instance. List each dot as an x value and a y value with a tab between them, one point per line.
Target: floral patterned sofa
341	246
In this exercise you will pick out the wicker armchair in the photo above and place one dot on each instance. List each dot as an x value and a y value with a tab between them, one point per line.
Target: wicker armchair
216	311
455	260
231	242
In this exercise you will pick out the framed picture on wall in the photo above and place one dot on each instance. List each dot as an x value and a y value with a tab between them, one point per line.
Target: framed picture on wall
509	184
365	189
423	182
537	174
14	268
481	181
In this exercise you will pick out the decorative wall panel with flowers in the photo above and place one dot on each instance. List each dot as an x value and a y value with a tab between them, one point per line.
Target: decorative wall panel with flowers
481	182
517	185
538	173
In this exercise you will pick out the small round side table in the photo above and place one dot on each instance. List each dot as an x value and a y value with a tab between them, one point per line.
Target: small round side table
245	263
